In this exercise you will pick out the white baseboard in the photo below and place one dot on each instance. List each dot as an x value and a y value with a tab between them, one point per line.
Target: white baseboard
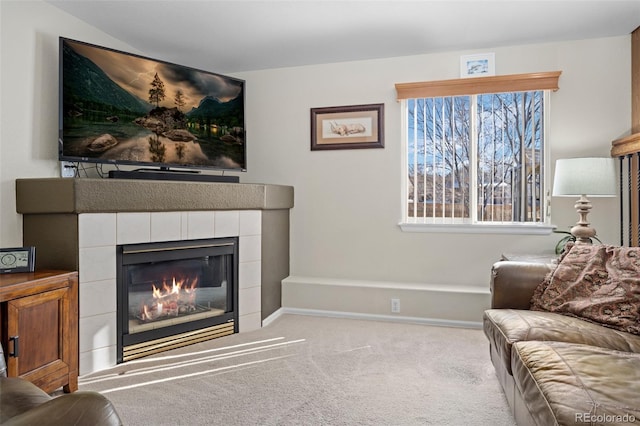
274	316
375	317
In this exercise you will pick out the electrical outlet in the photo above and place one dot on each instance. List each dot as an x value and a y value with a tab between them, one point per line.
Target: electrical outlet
68	169
395	306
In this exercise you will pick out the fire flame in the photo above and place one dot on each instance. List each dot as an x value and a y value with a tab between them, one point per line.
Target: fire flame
171	300
175	288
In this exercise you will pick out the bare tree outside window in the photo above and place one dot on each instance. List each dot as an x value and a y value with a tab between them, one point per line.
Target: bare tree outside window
476	158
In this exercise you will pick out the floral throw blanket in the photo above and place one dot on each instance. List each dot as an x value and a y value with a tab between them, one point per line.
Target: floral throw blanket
598	283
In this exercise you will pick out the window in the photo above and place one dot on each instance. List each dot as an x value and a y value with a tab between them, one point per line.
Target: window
476	158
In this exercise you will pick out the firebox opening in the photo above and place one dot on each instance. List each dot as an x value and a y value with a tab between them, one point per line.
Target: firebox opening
171	288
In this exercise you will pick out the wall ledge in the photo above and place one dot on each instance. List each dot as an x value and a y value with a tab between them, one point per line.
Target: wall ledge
387	318
428	287
419	302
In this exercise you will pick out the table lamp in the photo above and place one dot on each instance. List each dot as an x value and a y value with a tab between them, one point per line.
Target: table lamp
579	177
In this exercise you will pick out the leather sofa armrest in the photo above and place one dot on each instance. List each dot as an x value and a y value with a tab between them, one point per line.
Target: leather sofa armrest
513	283
78	408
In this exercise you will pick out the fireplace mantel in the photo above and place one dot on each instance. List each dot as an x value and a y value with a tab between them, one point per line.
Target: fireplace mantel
83	195
77	224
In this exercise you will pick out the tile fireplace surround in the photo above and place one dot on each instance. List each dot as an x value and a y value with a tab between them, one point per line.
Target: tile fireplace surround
76	224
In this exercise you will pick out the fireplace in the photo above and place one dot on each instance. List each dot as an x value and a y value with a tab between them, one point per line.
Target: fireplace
175	293
77	224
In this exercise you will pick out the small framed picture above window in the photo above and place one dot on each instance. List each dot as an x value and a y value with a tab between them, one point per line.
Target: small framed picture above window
480	65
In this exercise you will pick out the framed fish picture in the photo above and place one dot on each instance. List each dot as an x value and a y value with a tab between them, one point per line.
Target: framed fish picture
347	127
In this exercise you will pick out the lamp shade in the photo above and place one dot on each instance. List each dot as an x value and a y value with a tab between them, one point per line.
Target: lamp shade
594	176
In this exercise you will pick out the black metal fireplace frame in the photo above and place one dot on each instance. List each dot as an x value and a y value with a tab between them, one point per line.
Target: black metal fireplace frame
172	250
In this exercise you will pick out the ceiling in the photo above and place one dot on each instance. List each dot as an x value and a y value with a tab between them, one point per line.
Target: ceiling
240	35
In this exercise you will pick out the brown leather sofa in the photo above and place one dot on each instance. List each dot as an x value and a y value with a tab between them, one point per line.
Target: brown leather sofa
557	369
23	403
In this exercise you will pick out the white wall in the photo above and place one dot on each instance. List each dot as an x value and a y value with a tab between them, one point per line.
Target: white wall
29	32
347	202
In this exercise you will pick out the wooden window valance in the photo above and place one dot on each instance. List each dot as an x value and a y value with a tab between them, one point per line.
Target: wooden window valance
479	85
626	146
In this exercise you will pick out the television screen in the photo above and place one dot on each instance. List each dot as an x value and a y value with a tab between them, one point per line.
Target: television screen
121	108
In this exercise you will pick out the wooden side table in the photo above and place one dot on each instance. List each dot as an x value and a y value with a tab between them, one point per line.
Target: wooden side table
39	327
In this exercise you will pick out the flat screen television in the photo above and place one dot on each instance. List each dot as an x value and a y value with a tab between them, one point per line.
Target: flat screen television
124	109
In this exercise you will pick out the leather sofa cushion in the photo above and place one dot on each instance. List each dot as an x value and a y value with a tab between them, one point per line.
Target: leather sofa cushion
573	384
504	327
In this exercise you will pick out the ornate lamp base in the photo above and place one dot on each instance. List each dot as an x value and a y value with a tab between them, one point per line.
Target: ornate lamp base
582	231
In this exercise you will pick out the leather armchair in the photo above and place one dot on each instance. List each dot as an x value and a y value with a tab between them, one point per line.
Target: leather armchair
23	403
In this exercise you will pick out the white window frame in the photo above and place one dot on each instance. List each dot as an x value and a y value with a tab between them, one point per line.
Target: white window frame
409	224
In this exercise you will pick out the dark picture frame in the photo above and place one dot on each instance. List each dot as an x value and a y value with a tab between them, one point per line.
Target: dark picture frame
347	127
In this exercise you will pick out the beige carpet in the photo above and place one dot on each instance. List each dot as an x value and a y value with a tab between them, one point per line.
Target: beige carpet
304	370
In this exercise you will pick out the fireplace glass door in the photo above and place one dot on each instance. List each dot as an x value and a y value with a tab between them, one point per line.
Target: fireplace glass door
172	288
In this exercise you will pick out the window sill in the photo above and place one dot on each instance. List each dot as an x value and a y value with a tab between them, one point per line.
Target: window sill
478	228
